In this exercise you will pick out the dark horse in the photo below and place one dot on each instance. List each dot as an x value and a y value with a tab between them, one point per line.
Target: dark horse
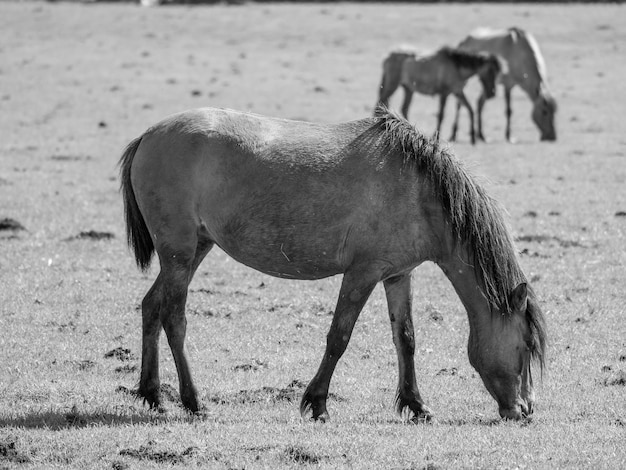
443	73
369	199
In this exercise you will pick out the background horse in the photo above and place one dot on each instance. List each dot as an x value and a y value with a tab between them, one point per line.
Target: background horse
369	199
524	67
443	73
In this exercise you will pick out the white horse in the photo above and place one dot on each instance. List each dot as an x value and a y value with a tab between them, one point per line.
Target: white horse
523	66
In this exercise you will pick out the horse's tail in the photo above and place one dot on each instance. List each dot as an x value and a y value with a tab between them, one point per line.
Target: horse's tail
137	233
392	73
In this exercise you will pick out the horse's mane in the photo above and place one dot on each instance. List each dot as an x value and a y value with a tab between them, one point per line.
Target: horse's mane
470	60
475	217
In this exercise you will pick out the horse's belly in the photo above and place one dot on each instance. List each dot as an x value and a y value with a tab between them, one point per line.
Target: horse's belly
282	260
297	251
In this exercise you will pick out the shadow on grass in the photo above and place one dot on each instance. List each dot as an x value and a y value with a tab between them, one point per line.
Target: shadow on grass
75	418
59	420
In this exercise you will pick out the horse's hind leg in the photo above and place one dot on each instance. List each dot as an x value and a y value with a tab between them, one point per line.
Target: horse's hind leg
165	305
149	383
356	288
173	317
398	291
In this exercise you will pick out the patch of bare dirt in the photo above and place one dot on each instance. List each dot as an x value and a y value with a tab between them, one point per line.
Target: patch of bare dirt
10	224
9	452
122	354
147	452
92	235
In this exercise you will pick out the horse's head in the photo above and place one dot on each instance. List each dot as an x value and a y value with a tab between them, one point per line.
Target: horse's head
488	74
501	351
544	109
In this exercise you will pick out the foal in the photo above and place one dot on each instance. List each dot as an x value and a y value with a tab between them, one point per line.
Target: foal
442	73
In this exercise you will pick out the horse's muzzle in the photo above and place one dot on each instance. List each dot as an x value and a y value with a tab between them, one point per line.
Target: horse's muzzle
520	411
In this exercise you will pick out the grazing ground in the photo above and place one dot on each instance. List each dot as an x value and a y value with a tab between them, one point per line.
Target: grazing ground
77	82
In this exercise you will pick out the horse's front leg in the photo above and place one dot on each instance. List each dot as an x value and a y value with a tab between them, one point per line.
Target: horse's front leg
356	288
480	104
443	98
455	125
463	100
399	295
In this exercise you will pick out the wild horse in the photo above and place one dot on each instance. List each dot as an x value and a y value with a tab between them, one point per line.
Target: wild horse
524	66
369	199
442	73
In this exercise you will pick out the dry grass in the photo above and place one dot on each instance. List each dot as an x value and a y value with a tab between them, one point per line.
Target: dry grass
77	82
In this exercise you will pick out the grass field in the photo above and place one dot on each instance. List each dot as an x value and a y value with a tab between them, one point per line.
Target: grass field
78	82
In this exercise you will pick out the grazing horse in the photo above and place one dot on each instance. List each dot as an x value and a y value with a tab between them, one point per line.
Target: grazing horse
442	73
524	67
369	199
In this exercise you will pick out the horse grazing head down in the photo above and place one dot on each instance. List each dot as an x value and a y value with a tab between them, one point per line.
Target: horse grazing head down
544	109
503	358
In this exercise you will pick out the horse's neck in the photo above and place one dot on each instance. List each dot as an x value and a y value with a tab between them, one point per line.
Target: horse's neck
532	81
459	269
528	66
466	73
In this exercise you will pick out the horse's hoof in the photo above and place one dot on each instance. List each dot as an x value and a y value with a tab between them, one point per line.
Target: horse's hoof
322	418
191	405
421	416
152	398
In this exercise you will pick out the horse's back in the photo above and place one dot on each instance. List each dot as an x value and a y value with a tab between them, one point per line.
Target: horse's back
524	63
220	143
430	73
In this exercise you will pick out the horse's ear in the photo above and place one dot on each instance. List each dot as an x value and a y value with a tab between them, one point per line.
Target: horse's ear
519	298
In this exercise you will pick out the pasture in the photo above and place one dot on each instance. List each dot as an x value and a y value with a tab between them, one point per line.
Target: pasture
79	81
